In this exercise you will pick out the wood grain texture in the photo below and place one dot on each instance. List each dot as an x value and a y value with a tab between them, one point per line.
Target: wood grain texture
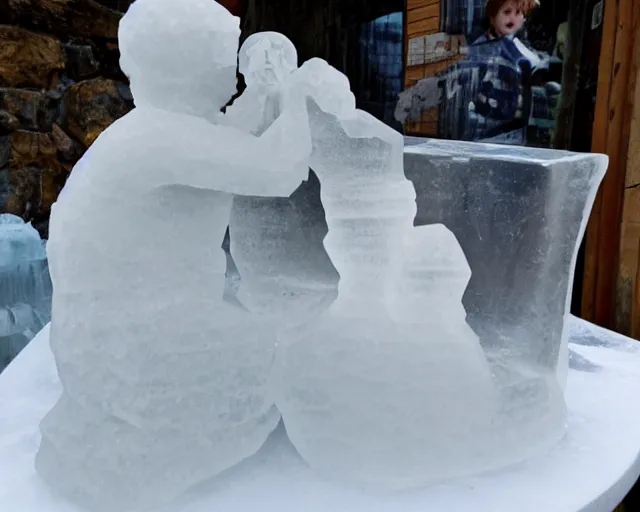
612	123
425	12
423	27
417	4
627	299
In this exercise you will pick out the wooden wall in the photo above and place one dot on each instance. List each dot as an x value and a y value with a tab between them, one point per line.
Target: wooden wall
611	284
627	318
423	17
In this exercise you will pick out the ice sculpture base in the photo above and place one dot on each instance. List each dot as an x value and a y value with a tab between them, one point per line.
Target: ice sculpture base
591	469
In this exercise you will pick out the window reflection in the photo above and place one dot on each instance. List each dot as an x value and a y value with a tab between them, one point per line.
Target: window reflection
484	70
381	66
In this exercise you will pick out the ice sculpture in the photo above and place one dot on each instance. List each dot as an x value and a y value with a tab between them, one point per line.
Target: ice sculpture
25	288
165	384
401	381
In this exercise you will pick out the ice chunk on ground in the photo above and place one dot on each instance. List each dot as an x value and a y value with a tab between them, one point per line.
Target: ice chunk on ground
164	383
25	287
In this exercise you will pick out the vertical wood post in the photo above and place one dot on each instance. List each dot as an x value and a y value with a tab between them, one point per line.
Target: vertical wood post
617	74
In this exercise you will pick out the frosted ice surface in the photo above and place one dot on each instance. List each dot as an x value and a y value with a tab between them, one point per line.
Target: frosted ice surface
164	383
284	270
25	287
434	276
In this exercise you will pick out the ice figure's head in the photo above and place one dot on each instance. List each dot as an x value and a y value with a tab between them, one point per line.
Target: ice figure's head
267	58
180	55
329	88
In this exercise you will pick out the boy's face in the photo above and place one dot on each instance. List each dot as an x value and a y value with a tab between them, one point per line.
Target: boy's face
508	20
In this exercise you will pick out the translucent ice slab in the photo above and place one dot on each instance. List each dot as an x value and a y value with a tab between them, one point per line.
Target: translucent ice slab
520	215
25	286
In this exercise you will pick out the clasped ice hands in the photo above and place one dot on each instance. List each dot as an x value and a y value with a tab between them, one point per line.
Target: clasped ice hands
268	61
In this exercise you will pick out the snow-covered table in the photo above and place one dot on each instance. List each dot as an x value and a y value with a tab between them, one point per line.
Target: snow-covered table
591	469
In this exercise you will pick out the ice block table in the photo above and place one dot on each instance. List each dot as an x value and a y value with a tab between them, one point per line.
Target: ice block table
591	469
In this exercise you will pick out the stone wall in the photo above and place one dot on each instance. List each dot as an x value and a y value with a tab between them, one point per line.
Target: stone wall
60	87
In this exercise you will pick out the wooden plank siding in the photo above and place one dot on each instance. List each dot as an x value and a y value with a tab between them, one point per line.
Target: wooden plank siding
612	126
627	297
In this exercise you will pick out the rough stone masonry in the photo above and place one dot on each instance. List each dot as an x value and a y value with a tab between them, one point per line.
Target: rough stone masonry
60	87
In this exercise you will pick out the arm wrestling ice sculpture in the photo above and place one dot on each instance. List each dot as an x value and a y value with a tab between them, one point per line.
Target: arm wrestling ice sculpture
165	384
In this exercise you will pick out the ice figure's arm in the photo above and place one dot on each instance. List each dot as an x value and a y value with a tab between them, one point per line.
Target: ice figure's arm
224	158
364	125
246	113
327	90
326	128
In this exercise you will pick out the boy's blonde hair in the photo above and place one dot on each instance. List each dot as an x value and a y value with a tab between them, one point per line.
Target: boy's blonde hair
524	6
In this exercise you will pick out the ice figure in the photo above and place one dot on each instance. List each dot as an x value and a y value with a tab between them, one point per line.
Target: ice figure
25	288
368	394
277	249
164	383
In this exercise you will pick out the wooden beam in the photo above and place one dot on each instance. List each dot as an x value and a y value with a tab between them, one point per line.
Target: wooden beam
627	320
416	4
424	12
635	302
612	119
423	27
